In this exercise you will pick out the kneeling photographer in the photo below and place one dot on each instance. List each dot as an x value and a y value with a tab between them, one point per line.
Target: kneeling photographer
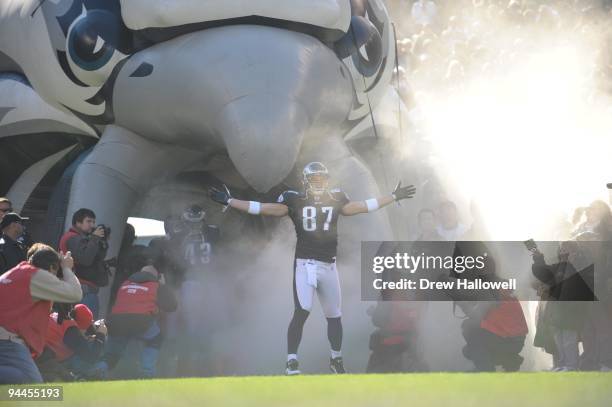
135	316
494	328
88	244
74	343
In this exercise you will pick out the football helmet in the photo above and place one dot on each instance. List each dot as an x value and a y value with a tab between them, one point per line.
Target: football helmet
194	213
316	178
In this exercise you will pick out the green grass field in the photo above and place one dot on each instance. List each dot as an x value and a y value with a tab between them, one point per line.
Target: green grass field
433	389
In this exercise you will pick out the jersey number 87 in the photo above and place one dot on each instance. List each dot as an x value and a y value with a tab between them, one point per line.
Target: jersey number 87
309	217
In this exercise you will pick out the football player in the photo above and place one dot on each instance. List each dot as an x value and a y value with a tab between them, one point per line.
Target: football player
314	213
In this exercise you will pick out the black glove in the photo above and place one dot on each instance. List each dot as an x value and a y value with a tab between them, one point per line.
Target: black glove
401	192
221	196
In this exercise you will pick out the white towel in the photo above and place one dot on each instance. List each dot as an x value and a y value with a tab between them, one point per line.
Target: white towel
311	269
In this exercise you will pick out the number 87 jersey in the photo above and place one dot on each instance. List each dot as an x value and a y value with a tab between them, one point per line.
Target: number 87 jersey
315	218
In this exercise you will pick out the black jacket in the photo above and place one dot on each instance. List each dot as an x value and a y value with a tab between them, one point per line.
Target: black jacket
568	290
88	252
11	253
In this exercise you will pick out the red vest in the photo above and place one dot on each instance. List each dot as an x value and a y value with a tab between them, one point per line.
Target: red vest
19	313
402	320
136	298
506	319
55	337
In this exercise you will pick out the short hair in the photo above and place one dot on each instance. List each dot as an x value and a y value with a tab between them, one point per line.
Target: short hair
5	200
33	249
43	256
81	214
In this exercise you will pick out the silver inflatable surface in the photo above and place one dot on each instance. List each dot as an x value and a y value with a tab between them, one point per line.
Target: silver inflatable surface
134	93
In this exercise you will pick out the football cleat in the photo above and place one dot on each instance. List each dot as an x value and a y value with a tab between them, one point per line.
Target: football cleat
293	368
336	365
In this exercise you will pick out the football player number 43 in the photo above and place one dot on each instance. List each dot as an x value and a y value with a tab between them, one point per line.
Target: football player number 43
309	217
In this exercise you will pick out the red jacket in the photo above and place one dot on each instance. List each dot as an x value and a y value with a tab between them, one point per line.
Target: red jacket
19	313
55	337
136	298
506	319
63	244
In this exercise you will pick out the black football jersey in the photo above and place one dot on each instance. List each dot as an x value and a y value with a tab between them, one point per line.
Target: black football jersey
316	222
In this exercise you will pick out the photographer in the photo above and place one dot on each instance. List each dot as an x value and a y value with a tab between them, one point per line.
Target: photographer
135	315
597	330
26	294
394	344
494	327
12	251
567	293
497	338
88	244
73	345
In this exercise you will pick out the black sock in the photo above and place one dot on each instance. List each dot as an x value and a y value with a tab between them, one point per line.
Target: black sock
294	333
334	333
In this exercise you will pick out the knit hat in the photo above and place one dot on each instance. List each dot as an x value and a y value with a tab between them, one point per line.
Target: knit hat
83	316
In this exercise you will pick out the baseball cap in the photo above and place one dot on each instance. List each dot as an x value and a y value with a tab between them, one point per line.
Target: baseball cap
83	316
11	217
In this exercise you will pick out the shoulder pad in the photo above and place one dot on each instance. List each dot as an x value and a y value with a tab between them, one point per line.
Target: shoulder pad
286	195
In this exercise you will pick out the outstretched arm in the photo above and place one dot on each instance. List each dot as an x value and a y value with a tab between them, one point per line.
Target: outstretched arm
252	207
258	208
370	205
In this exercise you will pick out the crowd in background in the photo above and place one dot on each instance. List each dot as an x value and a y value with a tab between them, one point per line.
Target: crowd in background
443	42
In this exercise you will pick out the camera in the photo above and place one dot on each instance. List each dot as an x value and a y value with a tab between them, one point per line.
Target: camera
107	230
530	245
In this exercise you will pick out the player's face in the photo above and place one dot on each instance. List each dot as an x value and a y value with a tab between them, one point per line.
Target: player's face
318	183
